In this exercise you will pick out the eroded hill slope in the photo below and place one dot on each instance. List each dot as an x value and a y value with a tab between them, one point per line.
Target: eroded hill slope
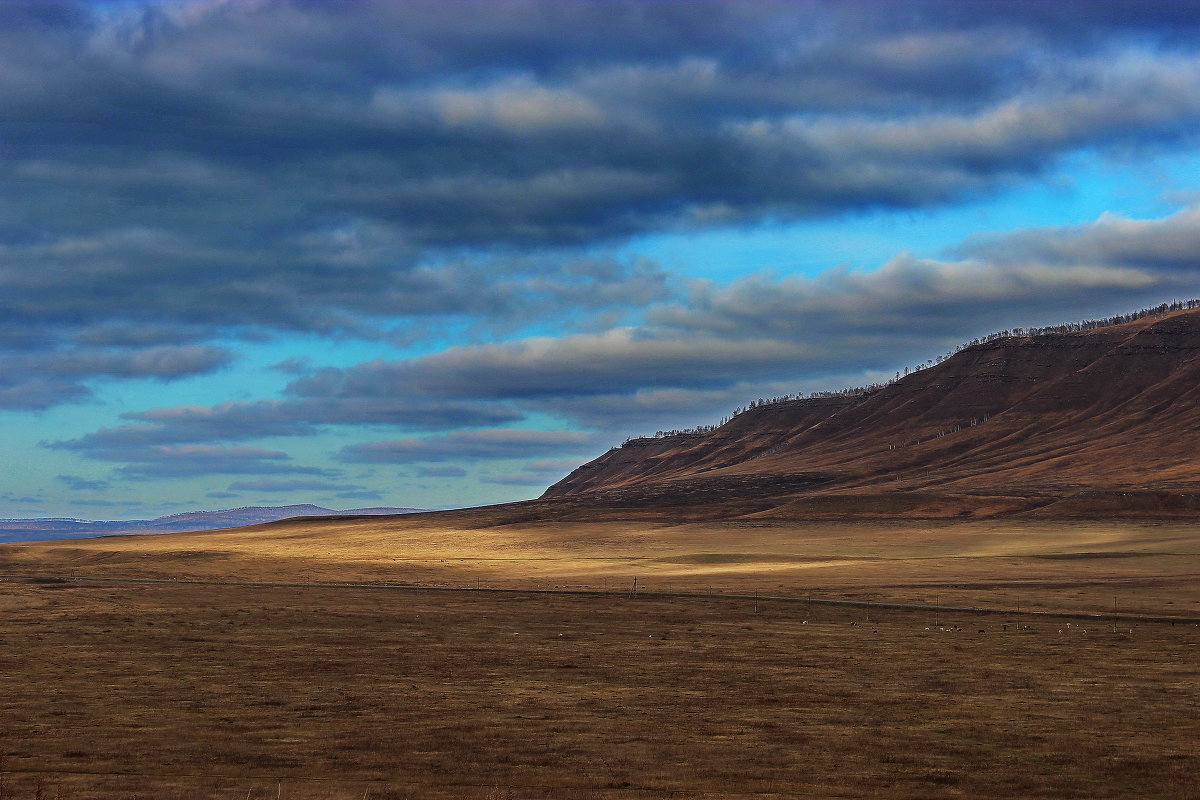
1033	424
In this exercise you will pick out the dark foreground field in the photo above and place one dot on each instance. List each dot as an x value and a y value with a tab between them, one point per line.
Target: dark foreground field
184	691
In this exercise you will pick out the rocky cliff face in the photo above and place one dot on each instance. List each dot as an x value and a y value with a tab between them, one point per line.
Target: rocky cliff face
1035	420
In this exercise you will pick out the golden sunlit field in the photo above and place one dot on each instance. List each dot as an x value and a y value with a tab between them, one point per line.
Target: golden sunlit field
120	677
1144	567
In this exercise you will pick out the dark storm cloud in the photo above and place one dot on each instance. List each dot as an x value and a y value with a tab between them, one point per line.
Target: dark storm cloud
175	171
489	444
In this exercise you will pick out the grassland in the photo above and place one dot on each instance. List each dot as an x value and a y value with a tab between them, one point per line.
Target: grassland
182	691
1144	567
119	689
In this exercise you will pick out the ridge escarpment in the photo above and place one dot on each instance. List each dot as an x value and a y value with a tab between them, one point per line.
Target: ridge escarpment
1034	419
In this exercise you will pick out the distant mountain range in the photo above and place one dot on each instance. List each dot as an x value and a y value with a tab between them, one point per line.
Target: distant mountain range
32	530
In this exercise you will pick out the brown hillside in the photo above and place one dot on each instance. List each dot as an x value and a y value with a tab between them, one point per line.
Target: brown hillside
1050	424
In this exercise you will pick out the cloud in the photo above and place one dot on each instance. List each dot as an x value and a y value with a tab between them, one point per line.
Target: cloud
631	412
404	185
144	462
584	364
1169	245
692	361
177	461
551	465
164	363
765	335
118	334
179	182
366	494
239	421
28	499
926	158
78	484
535	473
99	504
37	380
293	366
35	394
514	479
906	297
104	307
275	485
472	445
517	104
441	472
167	279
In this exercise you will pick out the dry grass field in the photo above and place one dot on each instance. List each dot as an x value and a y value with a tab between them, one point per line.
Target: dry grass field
1144	567
116	688
185	691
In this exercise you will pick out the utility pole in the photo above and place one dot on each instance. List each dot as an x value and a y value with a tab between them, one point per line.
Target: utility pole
634	592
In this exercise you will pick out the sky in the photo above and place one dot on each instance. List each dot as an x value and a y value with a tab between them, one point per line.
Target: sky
437	254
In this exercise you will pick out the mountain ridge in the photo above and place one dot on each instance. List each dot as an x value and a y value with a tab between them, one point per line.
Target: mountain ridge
39	528
1036	419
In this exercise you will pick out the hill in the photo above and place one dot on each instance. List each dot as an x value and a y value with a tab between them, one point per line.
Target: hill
1103	420
24	530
